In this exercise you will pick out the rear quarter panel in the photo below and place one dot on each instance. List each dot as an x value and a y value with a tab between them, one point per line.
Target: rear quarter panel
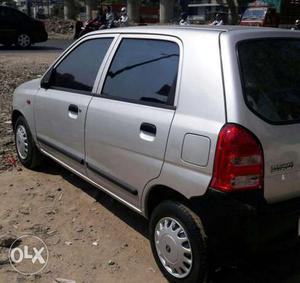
200	110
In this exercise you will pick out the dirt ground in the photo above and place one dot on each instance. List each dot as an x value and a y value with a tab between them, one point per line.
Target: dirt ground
90	237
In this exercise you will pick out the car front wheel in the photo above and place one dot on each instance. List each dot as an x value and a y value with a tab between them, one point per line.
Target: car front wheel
28	153
23	40
178	243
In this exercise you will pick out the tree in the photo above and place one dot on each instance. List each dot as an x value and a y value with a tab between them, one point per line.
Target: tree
10	3
133	7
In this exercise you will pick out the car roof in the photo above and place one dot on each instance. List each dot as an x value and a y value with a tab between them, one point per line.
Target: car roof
177	30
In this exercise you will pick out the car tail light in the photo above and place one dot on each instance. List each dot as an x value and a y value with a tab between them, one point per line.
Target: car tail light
239	162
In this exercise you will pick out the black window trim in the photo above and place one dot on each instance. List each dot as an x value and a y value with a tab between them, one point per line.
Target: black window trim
241	73
61	59
133	101
84	92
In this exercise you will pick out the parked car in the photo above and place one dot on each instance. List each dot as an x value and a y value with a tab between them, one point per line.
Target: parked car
262	16
195	128
20	29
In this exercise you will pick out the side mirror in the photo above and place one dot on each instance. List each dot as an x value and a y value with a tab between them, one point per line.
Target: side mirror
45	82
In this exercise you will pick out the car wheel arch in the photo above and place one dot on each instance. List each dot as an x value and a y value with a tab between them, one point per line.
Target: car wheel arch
14	117
159	193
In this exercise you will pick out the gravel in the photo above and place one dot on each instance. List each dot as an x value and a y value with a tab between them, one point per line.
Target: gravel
15	69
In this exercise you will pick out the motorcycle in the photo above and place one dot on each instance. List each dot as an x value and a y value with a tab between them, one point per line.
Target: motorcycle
88	26
296	25
91	25
97	24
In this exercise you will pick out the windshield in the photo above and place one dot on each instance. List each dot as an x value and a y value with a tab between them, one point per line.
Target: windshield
254	14
270	70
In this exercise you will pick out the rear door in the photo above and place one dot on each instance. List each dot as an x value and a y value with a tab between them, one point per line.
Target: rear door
60	110
270	71
128	123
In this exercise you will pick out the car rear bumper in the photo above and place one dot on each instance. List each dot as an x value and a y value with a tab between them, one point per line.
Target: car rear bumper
240	224
39	37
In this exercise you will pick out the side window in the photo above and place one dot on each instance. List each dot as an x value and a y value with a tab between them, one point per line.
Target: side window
10	13
4	13
20	16
79	69
143	70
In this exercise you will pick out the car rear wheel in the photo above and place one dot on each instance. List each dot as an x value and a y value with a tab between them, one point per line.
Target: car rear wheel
23	40
178	243
28	153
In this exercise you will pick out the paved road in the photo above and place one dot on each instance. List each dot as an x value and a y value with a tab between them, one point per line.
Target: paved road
52	45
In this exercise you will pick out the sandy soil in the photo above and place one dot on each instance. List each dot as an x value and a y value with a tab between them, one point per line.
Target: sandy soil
90	237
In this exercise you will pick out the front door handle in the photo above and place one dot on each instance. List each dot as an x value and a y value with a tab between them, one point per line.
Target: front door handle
73	108
148	128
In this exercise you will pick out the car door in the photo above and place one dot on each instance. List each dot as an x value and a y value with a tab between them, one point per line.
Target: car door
128	123
60	109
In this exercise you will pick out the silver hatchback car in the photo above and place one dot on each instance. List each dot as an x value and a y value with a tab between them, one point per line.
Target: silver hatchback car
196	128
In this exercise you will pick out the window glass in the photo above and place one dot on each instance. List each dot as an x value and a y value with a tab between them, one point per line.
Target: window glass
2	13
11	12
5	13
79	69
21	16
143	71
270	71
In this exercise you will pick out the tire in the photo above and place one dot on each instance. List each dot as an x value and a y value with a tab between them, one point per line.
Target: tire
27	151
163	242
23	40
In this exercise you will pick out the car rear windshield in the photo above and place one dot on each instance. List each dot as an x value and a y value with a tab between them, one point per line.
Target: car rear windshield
270	70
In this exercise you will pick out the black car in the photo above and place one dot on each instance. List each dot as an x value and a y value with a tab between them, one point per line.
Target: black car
20	29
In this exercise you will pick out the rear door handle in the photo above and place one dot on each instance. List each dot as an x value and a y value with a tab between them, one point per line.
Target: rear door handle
148	128
73	108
